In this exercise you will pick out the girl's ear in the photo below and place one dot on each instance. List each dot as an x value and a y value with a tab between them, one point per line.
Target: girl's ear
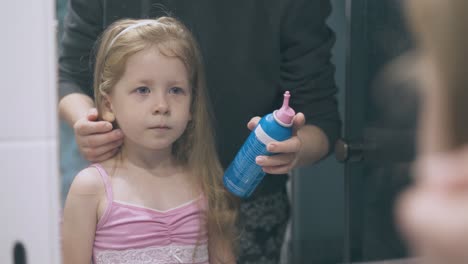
107	113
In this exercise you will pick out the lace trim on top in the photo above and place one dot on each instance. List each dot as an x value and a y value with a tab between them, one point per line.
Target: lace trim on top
155	255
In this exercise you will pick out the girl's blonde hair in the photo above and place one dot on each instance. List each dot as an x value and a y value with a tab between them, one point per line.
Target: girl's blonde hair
441	33
196	147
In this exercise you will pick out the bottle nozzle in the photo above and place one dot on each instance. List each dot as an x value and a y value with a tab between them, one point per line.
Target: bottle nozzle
285	114
286	97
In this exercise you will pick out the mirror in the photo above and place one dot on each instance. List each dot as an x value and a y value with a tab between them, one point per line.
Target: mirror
355	223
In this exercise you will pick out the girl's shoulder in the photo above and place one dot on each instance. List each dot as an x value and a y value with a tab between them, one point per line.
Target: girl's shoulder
88	182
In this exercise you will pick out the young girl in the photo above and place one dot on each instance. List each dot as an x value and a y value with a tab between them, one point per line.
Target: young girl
161	199
433	213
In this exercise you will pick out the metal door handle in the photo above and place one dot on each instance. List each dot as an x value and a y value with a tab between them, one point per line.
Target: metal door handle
348	151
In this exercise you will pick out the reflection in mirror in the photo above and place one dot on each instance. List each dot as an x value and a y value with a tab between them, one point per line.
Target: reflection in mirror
275	48
388	104
267	53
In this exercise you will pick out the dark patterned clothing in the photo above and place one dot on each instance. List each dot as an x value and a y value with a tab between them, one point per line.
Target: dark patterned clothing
262	231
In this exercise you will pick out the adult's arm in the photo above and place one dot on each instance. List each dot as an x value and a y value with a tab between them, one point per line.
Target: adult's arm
82	26
306	69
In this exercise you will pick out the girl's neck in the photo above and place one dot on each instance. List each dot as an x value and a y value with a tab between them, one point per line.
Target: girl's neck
160	161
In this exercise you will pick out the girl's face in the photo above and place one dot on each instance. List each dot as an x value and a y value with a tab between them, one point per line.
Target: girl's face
151	101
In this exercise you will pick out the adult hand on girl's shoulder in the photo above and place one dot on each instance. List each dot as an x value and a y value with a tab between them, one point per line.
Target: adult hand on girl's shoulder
287	151
95	139
80	216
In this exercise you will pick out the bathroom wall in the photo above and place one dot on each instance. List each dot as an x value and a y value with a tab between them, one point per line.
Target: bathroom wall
28	135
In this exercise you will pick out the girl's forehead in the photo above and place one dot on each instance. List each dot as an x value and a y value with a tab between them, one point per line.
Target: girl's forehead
168	48
157	52
151	64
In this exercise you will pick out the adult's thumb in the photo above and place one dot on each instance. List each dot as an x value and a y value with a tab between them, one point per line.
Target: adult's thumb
92	114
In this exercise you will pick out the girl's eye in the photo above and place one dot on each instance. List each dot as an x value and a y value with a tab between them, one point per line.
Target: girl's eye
177	90
143	90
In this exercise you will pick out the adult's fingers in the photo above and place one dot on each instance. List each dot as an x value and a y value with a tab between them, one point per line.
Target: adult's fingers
275	160
92	114
284	169
253	122
84	127
104	156
101	153
276	164
292	145
98	140
298	121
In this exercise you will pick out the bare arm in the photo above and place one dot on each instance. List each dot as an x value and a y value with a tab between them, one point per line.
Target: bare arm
74	106
307	72
80	217
314	145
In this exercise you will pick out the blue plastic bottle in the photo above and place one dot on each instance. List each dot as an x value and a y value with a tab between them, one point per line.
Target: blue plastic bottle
243	174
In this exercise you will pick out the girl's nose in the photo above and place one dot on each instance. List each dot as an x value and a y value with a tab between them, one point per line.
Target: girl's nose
161	106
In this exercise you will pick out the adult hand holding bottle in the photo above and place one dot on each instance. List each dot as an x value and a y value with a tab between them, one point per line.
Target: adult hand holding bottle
287	152
293	152
278	142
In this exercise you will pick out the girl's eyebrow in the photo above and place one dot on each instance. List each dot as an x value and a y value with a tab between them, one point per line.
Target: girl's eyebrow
144	81
172	82
181	82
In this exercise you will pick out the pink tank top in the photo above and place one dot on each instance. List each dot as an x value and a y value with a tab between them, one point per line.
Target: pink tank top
134	234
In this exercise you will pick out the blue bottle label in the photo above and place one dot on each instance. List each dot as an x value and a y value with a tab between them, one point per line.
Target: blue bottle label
245	164
243	175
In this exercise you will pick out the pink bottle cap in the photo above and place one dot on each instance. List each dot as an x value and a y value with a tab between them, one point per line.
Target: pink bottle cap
285	114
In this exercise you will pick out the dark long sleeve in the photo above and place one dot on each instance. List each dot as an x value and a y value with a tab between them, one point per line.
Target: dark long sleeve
278	45
306	68
82	26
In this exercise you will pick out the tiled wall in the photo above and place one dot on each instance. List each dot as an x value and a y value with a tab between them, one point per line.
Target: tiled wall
28	135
